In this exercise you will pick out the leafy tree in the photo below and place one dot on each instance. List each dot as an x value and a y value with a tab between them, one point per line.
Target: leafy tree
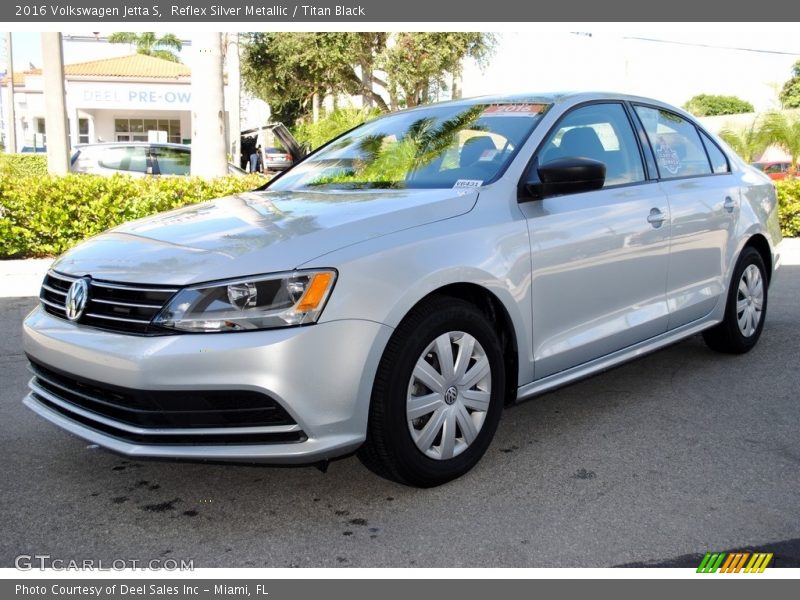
783	130
417	64
166	46
748	142
790	94
333	124
287	69
709	105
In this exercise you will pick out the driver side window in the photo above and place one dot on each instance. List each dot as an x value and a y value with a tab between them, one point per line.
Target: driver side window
600	132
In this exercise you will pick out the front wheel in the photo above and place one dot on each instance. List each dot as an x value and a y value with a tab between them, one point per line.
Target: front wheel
746	307
437	397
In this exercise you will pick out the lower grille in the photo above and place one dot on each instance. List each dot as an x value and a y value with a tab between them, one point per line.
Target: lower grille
165	417
121	307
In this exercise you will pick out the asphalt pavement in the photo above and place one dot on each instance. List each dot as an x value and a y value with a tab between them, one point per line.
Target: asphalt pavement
654	463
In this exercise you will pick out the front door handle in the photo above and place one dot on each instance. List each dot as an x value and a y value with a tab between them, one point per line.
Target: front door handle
656	217
729	204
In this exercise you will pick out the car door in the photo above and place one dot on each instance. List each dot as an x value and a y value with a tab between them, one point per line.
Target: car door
704	201
599	258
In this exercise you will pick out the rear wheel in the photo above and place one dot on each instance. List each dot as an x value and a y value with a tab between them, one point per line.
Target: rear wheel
746	307
437	397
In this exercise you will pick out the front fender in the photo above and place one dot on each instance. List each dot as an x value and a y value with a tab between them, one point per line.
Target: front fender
384	278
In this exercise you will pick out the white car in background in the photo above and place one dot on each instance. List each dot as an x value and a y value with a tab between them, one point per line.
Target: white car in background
136	159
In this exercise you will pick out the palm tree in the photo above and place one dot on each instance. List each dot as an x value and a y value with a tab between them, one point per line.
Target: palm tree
165	46
747	142
783	130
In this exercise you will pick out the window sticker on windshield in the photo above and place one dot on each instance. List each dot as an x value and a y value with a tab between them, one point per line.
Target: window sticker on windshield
468	183
488	155
667	157
513	110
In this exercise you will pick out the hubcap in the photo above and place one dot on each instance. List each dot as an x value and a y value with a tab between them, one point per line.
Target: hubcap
448	395
749	300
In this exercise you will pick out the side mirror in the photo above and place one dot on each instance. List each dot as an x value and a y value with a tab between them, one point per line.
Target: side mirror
569	175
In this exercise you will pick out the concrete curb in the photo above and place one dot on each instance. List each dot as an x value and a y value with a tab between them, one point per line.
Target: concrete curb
20	278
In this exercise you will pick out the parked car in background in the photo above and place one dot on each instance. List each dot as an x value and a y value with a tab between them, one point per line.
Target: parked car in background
280	149
776	170
396	289
136	159
277	159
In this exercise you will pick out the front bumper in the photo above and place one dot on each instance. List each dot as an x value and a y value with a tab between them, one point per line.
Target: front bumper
321	375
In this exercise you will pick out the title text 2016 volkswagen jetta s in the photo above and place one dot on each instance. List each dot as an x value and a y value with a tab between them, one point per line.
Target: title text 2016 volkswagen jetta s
393	291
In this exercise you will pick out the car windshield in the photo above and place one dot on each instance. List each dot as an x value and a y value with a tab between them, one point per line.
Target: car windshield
440	147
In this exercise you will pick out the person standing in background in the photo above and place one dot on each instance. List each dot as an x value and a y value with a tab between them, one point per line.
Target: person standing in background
256	162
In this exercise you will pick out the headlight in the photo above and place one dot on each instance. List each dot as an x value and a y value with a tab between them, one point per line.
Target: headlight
260	302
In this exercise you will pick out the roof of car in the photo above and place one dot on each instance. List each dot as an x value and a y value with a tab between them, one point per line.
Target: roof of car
135	144
558	97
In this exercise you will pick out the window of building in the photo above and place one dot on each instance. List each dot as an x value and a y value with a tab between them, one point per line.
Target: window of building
138	130
83	131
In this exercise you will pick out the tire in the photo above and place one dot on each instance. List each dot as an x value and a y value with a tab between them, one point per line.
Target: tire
428	442
745	309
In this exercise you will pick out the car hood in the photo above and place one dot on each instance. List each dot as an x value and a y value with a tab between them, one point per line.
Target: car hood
253	233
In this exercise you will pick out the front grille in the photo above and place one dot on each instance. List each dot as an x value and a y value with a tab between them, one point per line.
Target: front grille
128	308
165	417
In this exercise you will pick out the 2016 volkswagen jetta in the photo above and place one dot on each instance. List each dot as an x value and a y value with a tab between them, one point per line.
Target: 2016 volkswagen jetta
393	291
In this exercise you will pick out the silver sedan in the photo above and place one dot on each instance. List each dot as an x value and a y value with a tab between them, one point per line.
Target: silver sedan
392	292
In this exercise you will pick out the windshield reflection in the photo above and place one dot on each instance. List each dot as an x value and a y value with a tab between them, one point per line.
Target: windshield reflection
439	147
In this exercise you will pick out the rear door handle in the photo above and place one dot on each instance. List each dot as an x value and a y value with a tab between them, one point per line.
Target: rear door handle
729	204
656	217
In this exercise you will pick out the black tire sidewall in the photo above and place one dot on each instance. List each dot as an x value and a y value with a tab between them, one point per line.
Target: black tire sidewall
750	256
411	462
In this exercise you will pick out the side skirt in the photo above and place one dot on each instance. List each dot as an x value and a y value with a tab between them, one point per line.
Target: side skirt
612	360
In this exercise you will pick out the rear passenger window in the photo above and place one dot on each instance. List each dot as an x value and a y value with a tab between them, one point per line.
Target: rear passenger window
601	132
173	161
719	162
675	142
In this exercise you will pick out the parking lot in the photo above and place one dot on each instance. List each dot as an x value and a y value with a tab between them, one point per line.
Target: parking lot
681	452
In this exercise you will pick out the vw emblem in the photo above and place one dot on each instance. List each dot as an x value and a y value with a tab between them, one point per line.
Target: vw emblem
77	296
450	395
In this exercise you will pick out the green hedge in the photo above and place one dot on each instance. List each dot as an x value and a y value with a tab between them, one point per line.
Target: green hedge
23	164
789	206
45	215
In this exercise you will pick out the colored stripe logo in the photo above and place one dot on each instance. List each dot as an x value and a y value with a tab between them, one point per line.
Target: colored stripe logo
735	562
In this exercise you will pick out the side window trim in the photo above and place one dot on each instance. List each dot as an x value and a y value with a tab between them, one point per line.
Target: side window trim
703	137
651	165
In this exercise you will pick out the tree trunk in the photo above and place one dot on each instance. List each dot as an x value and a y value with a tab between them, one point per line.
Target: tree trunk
315	108
367	92
458	83
55	104
11	120
208	107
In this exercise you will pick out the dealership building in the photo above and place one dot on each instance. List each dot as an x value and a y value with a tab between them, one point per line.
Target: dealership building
116	99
